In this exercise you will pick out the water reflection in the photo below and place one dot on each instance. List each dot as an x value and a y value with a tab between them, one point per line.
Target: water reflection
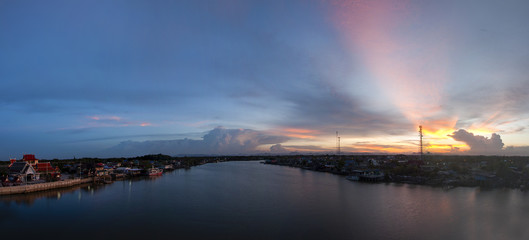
248	200
29	199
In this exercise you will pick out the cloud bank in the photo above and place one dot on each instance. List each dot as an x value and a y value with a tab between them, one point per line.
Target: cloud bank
487	146
217	141
278	148
479	144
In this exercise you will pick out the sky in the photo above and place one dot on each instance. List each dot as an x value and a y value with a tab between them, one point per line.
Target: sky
127	78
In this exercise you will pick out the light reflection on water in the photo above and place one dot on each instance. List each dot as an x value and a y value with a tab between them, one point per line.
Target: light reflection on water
248	200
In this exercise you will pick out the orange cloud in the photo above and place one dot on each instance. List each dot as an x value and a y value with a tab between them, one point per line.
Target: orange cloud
308	149
439	128
299	133
299	130
446	148
381	148
294	135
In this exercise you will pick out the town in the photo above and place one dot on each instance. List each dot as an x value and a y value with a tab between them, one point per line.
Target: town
31	174
434	170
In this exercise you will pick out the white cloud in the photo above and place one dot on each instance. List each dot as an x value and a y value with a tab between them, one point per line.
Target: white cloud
479	144
278	148
217	141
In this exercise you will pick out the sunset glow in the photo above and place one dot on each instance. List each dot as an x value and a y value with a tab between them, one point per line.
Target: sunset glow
257	77
300	133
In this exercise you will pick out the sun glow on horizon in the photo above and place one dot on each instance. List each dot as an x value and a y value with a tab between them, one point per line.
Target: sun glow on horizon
299	133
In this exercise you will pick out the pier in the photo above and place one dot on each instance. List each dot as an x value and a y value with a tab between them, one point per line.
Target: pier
43	186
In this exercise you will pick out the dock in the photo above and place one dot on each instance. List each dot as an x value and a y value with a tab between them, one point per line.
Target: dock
43	186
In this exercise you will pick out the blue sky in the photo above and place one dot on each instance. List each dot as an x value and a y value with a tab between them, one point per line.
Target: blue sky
124	78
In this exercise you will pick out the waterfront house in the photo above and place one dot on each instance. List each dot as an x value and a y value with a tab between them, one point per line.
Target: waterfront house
47	168
39	167
23	171
167	167
30	158
128	171
103	170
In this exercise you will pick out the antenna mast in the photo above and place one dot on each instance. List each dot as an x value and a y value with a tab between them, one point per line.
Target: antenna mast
420	137
337	143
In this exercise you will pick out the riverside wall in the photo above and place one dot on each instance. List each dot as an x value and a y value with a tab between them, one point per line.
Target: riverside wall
42	186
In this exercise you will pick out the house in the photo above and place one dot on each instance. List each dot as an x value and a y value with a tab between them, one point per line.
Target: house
23	171
102	170
30	158
46	168
37	167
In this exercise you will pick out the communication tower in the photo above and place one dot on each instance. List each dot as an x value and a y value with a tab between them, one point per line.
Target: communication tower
420	140
337	144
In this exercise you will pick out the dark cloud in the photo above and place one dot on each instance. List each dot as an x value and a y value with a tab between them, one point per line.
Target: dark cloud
252	65
325	103
217	141
121	66
479	144
489	97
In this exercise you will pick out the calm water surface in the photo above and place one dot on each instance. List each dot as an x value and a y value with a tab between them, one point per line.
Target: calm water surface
249	200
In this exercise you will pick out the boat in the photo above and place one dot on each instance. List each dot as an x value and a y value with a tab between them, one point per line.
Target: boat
154	172
352	178
355	175
366	175
372	176
168	167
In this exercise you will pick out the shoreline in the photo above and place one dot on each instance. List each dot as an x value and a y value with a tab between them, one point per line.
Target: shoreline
22	189
38	187
420	181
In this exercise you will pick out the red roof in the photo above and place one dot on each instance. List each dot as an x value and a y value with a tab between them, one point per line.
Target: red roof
29	157
44	167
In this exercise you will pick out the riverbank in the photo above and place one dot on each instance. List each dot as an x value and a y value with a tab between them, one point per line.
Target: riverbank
43	186
249	200
446	172
97	171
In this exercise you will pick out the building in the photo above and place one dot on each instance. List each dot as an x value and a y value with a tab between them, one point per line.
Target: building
23	171
30	158
46	168
34	170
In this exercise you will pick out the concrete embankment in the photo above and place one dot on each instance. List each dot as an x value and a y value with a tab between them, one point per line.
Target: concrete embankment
42	186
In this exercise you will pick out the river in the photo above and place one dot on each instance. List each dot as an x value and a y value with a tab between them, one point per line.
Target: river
249	200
